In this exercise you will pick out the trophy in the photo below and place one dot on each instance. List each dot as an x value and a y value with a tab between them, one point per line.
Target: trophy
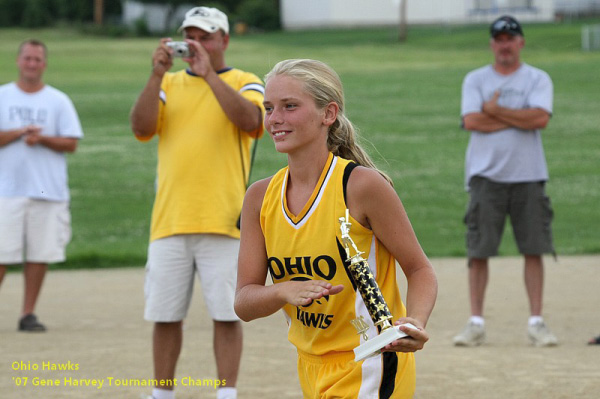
374	301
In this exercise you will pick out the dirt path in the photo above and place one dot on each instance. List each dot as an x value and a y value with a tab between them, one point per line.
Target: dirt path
97	333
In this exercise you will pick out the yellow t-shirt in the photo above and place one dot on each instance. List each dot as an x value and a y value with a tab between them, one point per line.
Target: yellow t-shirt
308	246
203	158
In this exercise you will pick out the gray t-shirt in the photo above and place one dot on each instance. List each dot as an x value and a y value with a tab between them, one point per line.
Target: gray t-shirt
509	155
35	171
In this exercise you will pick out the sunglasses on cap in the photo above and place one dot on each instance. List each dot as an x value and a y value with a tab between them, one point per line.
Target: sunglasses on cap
506	26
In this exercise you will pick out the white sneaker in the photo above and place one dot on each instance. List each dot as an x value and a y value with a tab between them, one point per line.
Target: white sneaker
472	335
540	335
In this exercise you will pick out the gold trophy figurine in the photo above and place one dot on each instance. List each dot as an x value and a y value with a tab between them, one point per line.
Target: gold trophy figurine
371	295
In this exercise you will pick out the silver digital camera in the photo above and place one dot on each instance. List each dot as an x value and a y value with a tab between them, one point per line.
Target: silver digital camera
180	49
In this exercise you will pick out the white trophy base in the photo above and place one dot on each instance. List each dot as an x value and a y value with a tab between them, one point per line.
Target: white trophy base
373	346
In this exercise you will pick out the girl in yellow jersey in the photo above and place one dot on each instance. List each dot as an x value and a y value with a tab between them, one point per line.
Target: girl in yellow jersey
290	230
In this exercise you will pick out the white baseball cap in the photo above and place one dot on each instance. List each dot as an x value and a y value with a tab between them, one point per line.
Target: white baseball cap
206	18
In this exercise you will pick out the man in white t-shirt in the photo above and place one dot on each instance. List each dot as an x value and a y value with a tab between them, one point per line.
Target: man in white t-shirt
505	105
38	125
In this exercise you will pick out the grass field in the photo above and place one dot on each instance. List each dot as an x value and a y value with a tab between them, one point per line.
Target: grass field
405	98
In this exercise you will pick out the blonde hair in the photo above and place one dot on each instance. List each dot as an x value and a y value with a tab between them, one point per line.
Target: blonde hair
325	86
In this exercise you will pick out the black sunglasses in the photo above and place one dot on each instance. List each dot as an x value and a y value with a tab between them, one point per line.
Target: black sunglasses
504	25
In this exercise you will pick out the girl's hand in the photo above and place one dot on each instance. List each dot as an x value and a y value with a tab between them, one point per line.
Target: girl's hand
413	342
302	293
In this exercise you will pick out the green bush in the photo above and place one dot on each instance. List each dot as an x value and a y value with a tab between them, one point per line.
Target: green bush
63	9
11	12
110	30
140	27
36	14
220	5
261	14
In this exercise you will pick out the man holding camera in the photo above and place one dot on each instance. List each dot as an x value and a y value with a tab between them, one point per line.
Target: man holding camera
206	118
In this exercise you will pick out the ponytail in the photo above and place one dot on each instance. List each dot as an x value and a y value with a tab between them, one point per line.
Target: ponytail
342	140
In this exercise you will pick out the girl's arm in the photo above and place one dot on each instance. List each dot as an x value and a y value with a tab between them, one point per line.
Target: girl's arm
374	203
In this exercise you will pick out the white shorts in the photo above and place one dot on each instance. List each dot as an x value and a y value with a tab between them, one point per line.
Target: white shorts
33	230
172	262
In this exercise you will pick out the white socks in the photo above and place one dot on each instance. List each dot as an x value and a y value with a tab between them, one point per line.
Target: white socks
227	393
535	320
477	320
222	393
163	394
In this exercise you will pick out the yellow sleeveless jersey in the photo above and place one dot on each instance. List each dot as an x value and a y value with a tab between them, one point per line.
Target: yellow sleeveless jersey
308	246
203	158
